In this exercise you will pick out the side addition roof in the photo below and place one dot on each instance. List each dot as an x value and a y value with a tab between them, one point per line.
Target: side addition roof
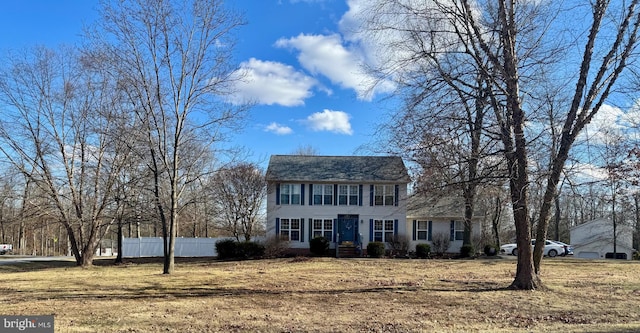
309	168
450	207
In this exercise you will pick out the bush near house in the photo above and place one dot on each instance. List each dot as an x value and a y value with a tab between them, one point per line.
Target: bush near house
399	245
226	249
231	249
467	251
319	246
375	249
440	243
275	247
490	250
423	250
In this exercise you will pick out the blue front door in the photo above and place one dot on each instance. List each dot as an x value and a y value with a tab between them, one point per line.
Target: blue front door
347	228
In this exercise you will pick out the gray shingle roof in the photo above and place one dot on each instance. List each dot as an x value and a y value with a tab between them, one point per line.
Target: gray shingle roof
446	207
337	168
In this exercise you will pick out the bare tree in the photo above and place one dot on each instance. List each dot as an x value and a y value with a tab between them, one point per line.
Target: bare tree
58	115
504	40
305	150
174	59
238	192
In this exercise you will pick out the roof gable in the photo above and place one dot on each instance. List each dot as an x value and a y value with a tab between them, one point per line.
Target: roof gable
337	168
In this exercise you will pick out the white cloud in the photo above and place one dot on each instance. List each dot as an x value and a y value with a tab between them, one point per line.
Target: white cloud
611	124
278	129
329	120
268	82
326	55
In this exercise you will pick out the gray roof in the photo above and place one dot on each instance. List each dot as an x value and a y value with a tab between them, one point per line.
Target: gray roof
337	168
446	207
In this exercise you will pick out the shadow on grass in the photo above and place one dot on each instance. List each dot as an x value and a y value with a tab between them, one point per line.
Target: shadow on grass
85	290
34	266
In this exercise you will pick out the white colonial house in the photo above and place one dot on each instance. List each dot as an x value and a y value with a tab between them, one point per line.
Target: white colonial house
444	217
350	200
594	240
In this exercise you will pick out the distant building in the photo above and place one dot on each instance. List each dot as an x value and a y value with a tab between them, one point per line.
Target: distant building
594	240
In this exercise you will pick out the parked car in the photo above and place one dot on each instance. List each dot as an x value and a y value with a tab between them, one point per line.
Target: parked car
5	248
551	249
568	248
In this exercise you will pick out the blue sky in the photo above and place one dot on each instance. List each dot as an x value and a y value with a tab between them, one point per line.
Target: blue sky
304	64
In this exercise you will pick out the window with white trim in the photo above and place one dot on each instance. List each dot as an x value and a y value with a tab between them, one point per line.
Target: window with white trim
384	195
458	230
323	228
290	194
322	194
383	230
290	229
348	195
422	230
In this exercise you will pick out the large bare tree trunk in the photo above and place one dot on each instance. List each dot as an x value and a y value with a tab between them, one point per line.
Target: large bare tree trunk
589	97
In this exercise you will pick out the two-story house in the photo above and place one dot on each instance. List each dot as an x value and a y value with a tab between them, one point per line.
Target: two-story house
347	199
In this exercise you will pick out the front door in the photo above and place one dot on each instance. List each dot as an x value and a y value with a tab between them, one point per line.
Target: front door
347	228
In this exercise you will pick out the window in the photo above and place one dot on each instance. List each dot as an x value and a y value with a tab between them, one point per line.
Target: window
323	228
459	230
290	229
384	195
348	195
322	194
289	194
422	230
383	230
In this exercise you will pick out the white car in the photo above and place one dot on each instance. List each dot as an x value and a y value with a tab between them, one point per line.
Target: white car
551	249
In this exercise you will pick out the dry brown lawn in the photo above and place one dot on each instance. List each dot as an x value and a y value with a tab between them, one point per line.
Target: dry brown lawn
326	295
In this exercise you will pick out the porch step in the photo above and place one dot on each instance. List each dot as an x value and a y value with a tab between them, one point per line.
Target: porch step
347	251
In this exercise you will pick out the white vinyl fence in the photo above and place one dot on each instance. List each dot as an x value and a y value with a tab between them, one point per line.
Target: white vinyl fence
153	247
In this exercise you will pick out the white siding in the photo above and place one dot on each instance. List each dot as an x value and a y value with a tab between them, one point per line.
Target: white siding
597	237
365	213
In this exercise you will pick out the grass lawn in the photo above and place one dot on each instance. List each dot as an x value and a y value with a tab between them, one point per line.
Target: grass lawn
326	295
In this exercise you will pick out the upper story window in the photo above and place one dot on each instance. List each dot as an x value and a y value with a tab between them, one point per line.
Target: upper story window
384	195
348	195
290	194
322	194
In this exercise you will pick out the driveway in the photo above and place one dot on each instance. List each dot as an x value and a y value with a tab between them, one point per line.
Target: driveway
14	259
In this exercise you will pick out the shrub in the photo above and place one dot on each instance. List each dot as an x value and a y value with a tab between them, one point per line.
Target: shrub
275	247
467	251
440	243
249	250
375	249
423	250
399	245
490	250
226	248
319	246
636	255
